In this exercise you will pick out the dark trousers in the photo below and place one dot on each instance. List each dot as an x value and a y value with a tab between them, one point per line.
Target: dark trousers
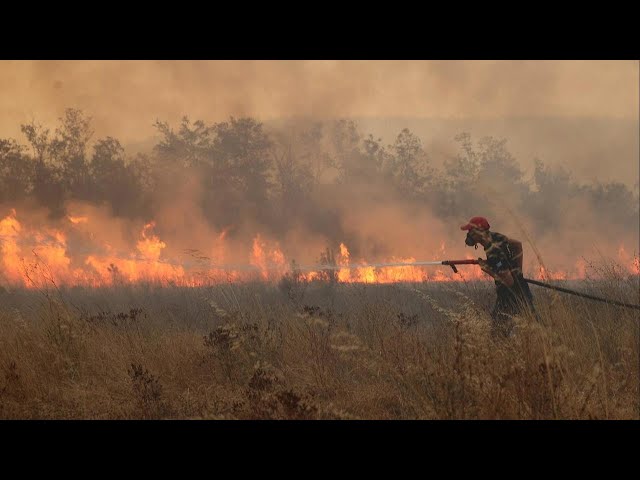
511	301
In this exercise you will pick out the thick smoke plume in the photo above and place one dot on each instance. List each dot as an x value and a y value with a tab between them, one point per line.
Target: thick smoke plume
546	150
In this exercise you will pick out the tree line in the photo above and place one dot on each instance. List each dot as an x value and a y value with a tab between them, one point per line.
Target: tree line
278	177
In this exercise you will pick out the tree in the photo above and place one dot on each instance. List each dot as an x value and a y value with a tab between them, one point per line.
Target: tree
313	153
243	151
117	182
455	189
68	149
46	182
409	165
233	161
38	138
61	170
293	183
16	171
615	201
72	136
497	164
463	169
191	146
345	141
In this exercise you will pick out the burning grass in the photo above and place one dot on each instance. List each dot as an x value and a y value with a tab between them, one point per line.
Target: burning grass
315	350
64	254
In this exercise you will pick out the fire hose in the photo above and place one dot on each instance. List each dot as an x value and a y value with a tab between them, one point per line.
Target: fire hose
453	263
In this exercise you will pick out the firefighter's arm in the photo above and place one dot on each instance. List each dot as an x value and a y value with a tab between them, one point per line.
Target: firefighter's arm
503	276
516	250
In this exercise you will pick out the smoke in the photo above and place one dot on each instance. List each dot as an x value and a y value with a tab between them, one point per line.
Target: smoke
579	115
125	96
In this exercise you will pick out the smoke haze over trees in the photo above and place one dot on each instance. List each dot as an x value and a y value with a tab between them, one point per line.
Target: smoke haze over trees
323	180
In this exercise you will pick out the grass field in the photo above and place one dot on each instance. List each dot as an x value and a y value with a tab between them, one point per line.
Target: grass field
315	351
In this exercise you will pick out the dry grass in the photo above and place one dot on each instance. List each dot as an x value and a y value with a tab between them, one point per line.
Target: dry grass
254	351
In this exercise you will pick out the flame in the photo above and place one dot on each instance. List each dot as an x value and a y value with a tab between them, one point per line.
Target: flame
344	274
10	230
258	257
218	250
150	247
544	274
77	220
59	254
581	268
632	262
270	263
277	257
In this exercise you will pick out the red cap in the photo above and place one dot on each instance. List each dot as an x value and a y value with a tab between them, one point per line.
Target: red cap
476	222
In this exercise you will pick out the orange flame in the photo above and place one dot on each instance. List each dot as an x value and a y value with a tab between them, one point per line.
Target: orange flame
544	274
150	247
24	246
76	220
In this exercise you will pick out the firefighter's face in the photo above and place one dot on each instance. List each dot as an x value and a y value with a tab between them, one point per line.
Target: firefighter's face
473	237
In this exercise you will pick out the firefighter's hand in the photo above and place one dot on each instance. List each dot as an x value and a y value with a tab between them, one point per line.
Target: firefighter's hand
484	266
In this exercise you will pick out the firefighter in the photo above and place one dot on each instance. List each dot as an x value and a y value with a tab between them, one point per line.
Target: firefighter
504	264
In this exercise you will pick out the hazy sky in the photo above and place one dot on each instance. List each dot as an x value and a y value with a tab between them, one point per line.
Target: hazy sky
125	97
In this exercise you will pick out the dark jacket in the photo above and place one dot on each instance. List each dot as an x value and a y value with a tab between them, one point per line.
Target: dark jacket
500	259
